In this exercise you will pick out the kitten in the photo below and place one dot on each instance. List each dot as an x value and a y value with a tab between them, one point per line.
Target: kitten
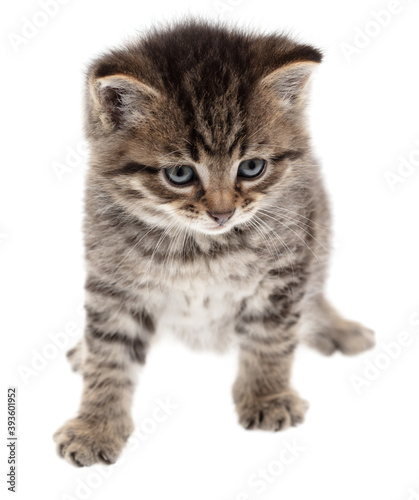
205	215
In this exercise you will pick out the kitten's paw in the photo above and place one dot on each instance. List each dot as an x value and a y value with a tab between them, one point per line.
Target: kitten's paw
356	338
271	413
83	443
351	339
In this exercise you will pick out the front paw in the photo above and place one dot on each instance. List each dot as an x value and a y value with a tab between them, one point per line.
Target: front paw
84	443
271	413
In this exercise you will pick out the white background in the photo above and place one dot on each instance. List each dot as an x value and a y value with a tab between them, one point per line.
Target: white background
355	444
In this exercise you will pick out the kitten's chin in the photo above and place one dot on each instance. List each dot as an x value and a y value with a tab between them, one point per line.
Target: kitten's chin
212	231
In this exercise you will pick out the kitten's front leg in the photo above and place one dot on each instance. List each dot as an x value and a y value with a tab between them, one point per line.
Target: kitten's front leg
262	392
115	342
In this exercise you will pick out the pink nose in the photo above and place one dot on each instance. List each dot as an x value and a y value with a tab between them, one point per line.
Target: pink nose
221	217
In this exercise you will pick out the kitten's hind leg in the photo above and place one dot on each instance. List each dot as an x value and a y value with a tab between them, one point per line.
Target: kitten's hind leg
324	329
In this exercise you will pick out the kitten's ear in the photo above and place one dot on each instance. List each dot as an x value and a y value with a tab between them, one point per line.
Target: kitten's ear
289	82
121	101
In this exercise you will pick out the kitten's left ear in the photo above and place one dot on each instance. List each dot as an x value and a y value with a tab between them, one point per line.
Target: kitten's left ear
290	82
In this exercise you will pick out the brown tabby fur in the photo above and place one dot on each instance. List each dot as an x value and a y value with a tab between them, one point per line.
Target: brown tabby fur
209	97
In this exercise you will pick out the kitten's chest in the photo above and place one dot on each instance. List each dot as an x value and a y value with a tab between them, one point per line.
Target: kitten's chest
203	313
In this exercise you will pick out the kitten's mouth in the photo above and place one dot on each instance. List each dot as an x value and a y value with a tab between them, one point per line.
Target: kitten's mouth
219	229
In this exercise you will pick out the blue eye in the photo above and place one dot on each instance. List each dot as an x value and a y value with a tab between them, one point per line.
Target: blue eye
251	168
180	175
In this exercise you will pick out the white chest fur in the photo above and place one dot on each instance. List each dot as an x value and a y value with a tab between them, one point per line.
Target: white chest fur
203	315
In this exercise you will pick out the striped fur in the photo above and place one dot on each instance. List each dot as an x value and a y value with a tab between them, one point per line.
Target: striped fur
208	97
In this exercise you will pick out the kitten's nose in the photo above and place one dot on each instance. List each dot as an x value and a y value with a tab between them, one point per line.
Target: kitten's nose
221	217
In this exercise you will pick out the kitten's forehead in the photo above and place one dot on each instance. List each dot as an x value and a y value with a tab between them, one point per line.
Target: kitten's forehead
213	110
215	116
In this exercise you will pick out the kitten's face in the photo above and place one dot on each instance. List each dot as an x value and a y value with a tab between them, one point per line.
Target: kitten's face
211	185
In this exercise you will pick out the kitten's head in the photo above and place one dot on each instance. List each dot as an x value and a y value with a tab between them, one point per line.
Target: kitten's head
198	125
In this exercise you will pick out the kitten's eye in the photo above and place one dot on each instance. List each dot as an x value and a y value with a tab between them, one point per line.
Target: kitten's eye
251	168
180	175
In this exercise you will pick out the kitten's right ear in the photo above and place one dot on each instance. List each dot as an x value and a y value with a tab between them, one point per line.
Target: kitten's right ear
120	101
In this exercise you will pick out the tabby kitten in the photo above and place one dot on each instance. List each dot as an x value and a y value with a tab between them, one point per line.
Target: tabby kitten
206	216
